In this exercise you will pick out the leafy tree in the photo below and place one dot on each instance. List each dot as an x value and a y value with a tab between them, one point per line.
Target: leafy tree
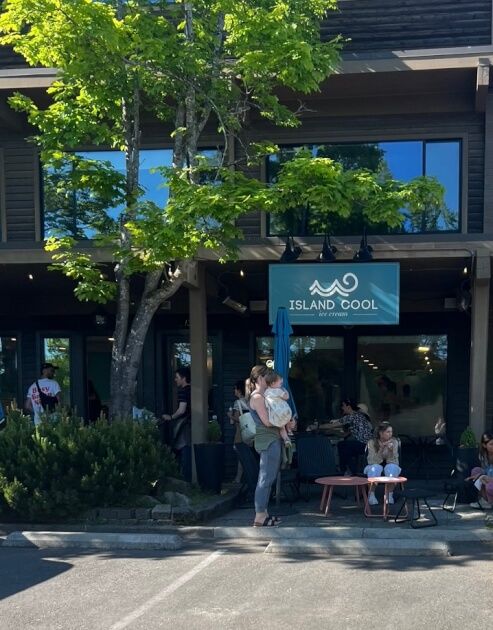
194	67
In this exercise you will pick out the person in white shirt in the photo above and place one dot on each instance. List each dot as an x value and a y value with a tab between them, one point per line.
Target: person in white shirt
49	387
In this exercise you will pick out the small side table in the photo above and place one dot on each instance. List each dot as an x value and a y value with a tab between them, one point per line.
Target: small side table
386	481
329	483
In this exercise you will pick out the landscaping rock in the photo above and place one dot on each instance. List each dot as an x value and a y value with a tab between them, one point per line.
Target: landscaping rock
145	501
176	499
174	485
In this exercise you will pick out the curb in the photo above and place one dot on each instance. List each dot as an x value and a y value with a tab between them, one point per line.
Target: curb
351	547
78	540
355	534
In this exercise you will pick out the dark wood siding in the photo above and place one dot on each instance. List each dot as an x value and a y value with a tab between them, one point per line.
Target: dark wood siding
20	192
10	59
409	24
388	25
318	129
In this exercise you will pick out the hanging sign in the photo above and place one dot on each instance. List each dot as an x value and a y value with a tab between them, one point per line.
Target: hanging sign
339	294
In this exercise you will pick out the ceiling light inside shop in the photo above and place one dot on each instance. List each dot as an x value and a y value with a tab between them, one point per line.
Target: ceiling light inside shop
423	348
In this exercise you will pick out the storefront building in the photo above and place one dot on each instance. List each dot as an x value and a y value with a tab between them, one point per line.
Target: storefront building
412	97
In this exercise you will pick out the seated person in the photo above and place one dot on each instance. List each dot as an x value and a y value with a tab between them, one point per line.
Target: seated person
357	431
482	476
383	457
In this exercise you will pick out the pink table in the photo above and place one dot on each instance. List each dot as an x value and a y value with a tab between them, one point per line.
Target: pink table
387	481
360	484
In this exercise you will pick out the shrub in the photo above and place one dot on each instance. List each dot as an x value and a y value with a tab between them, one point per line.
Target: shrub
62	467
213	432
467	438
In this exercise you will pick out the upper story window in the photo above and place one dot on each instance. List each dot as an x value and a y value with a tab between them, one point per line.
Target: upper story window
82	214
401	160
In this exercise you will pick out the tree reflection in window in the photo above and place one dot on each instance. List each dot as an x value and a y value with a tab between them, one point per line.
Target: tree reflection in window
84	192
401	160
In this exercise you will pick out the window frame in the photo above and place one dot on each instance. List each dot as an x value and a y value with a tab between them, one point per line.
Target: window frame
461	137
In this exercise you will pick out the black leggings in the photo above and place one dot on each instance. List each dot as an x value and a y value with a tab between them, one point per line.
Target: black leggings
348	451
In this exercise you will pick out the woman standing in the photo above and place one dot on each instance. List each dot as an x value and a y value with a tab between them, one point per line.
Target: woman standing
267	443
483	476
240	407
383	457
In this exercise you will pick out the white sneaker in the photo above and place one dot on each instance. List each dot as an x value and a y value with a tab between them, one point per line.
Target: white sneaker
391	498
481	504
372	499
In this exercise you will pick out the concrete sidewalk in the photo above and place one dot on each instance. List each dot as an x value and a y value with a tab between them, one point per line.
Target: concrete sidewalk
304	529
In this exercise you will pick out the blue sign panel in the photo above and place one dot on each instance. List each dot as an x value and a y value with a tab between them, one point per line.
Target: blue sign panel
347	294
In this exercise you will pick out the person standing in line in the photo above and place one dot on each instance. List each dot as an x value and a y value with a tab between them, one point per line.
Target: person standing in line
239	407
181	428
44	394
268	444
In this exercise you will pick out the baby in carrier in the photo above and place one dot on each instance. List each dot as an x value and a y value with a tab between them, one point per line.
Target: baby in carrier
275	400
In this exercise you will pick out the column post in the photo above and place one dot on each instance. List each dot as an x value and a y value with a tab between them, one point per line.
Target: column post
479	342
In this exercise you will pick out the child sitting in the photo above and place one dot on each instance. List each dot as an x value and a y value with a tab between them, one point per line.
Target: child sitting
275	400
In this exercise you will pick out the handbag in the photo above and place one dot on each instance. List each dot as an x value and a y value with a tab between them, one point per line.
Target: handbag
177	428
248	428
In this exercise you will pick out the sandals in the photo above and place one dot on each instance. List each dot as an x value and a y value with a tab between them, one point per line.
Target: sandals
269	521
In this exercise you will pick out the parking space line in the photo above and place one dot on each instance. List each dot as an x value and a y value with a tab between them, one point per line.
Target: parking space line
141	610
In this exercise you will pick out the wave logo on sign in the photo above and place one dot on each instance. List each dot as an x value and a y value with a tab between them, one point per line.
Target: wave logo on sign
348	285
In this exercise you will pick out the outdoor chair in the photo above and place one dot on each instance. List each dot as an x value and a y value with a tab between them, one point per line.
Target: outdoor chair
250	467
315	459
414	496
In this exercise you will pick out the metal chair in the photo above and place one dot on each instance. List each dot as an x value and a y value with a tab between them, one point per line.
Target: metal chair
415	496
315	459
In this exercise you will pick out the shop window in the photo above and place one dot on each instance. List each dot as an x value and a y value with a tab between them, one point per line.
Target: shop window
402	160
181	357
81	214
402	379
9	375
56	350
315	374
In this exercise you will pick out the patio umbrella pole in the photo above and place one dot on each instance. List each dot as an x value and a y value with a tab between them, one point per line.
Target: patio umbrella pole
282	330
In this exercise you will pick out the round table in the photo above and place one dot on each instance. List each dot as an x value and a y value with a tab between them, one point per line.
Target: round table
359	483
386	481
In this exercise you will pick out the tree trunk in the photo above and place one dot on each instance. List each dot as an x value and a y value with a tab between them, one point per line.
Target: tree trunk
127	350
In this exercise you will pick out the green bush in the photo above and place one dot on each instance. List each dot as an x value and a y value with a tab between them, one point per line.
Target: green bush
213	432
61	468
467	438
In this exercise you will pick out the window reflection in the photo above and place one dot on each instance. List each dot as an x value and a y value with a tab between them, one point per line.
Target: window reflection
315	374
403	379
57	351
82	213
402	160
8	371
181	357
